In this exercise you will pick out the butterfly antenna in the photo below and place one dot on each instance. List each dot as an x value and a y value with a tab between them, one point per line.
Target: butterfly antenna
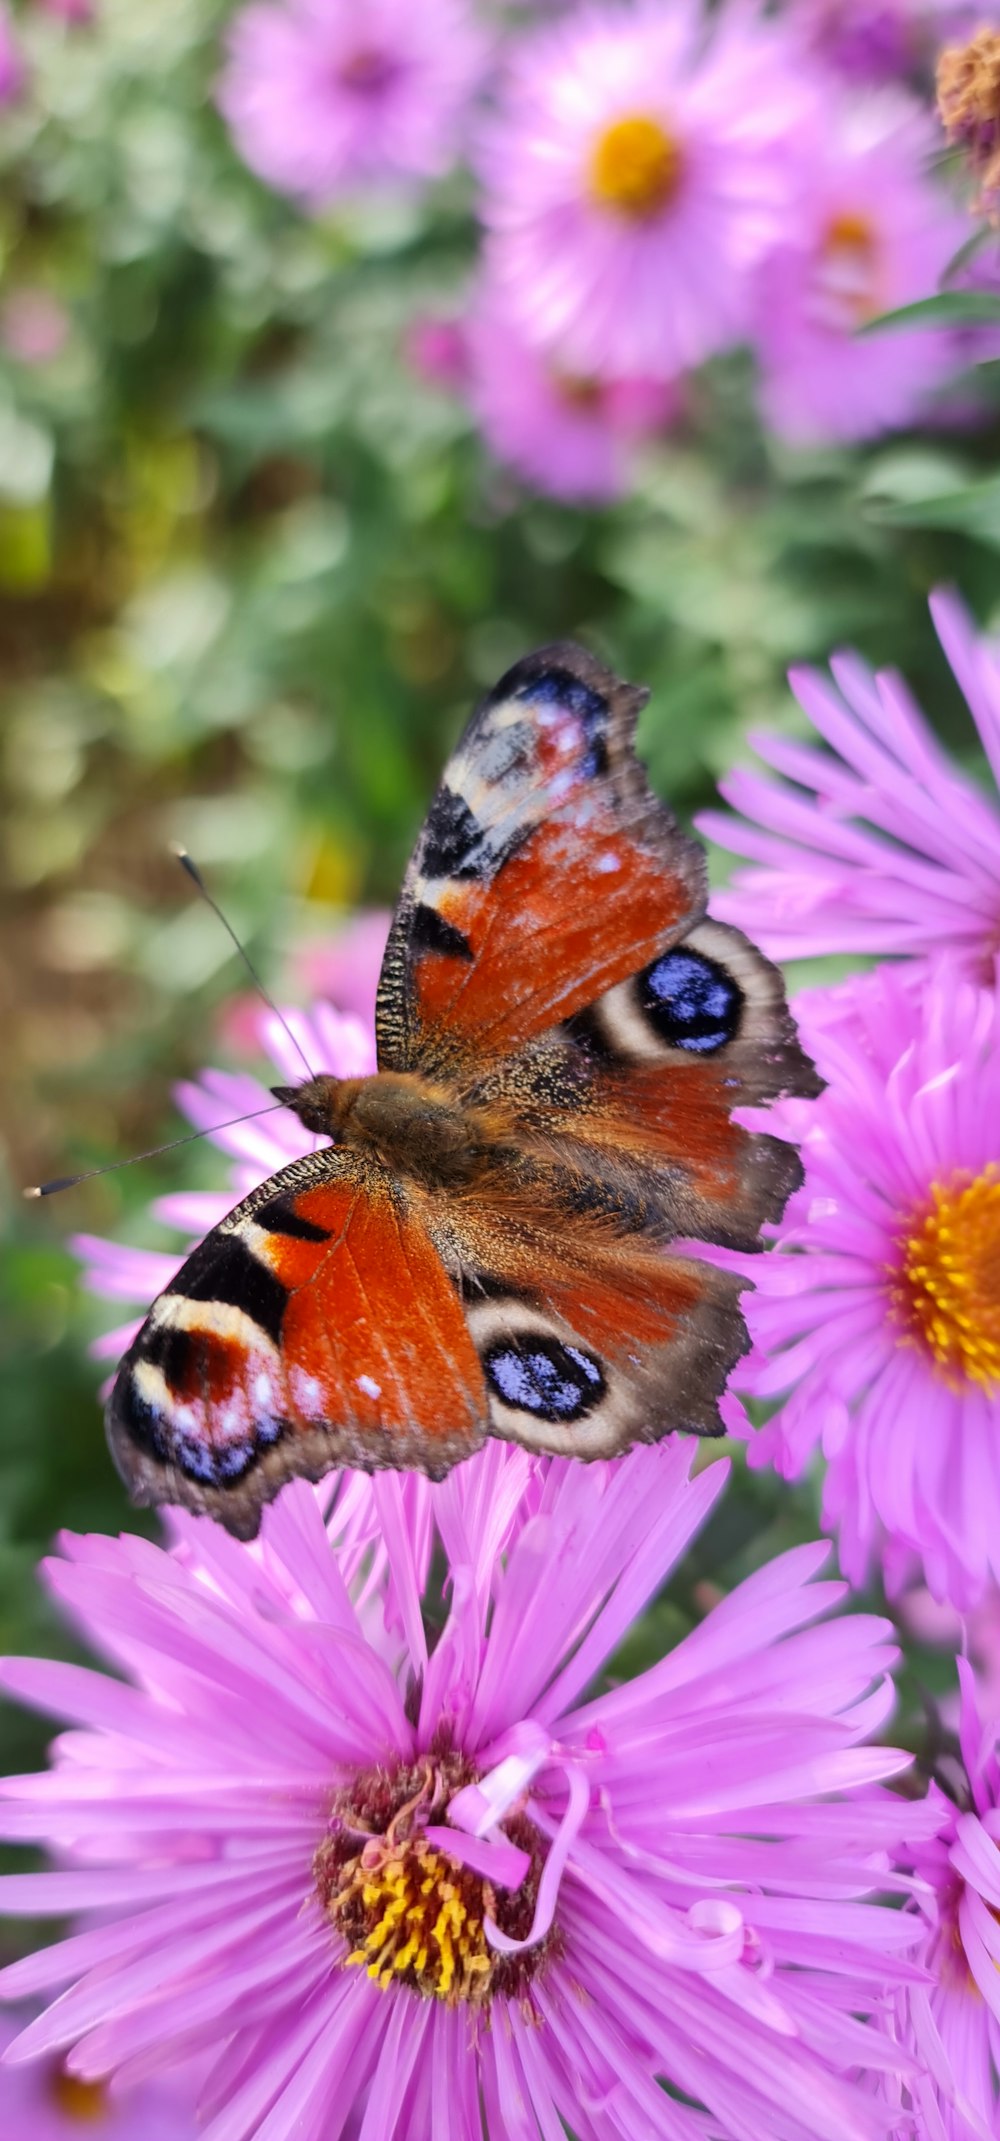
197	879
48	1189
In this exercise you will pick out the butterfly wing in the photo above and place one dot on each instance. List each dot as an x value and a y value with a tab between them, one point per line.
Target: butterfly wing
315	1326
551	958
546	872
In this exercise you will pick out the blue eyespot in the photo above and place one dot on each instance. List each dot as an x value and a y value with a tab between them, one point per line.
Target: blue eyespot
691	1001
538	1375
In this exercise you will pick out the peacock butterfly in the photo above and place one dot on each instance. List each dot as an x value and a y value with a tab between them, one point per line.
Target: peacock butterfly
485	1246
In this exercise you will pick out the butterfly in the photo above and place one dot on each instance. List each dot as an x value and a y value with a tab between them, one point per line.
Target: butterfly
487	1245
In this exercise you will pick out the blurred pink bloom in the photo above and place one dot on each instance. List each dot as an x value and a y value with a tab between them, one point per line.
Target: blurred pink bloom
43	2102
881	844
570	436
436	349
73	11
33	325
323	95
13	70
952	2024
407	1888
867	230
633	173
877	1325
938	1626
882	40
344	964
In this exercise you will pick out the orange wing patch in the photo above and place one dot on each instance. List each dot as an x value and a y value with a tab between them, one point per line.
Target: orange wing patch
546	872
552	935
317	1326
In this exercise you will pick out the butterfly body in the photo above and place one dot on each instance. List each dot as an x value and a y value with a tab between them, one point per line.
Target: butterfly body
492	1240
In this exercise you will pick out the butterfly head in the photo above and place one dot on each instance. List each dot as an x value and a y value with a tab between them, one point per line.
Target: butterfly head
319	1103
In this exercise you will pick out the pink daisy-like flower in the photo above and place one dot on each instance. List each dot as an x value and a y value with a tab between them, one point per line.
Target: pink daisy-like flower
867	230
44	2102
632	174
322	95
952	2023
879	1328
409	1887
885	846
568	435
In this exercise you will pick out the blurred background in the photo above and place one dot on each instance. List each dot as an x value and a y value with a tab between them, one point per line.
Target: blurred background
260	550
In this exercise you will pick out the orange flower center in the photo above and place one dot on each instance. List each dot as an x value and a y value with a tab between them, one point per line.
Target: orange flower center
946	1288
635	167
849	257
76	2099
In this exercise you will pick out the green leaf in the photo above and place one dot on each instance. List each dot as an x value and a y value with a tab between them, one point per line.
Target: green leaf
973	510
950	308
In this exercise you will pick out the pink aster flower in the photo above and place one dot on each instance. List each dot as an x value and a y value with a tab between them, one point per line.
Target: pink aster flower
571	436
867	230
952	2022
401	1887
632	173
883	40
322	95
44	2102
878	1326
880	845
269	1138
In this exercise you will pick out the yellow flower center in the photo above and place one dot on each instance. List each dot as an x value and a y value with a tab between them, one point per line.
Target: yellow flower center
409	1912
947	1285
416	1914
635	167
76	2099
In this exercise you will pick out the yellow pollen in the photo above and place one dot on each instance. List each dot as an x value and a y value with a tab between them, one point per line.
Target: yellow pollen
76	2099
418	1921
946	1288
635	167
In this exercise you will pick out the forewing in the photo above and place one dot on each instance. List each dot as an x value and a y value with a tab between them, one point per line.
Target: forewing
546	872
316	1326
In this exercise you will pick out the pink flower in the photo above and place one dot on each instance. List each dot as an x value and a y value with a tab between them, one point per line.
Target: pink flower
882	40
940	1627
878	1327
407	1887
34	326
435	349
73	11
567	435
867	230
13	71
953	2023
344	964
44	2102
884	846
323	96
632	175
